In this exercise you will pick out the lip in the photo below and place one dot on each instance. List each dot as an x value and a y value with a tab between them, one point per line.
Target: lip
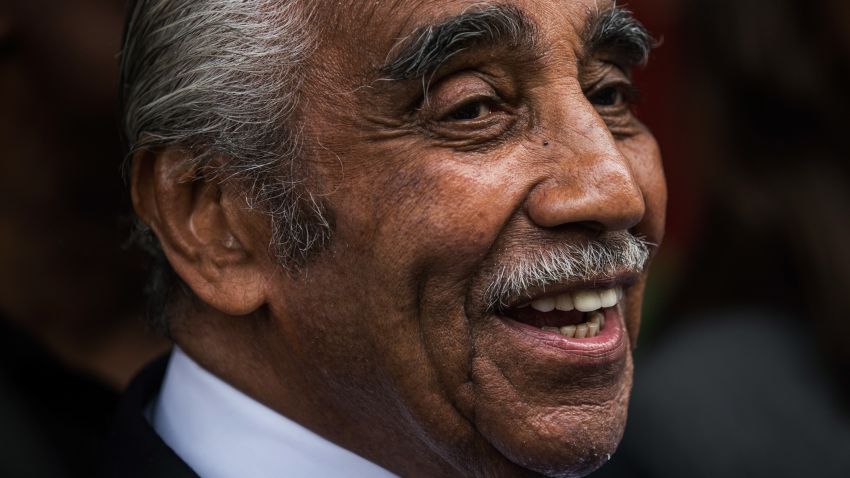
606	348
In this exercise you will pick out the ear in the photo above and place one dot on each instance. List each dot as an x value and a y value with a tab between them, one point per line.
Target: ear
209	237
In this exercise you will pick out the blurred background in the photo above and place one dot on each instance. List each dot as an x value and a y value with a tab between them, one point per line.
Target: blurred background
743	367
71	296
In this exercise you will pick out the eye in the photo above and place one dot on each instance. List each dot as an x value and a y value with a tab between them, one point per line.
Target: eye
470	111
608	96
616	95
467	110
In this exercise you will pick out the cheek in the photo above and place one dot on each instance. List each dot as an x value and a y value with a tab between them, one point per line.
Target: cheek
407	242
645	159
438	222
444	215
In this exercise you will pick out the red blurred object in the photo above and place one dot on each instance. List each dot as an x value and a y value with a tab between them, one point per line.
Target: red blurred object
661	83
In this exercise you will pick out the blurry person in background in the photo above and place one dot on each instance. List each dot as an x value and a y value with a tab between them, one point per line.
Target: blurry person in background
751	376
70	296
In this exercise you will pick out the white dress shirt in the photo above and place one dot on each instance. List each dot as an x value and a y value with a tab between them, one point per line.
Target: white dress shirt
222	433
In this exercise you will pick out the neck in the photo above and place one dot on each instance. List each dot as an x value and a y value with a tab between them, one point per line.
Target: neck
254	355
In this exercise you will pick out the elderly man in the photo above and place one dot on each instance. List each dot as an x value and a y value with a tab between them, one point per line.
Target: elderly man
396	237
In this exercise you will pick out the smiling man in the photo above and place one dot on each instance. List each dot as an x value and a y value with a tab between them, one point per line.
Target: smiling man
395	237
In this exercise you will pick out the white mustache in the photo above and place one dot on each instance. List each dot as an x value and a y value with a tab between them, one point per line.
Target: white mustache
598	259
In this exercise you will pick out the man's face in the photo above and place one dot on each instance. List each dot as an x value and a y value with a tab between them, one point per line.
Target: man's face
436	180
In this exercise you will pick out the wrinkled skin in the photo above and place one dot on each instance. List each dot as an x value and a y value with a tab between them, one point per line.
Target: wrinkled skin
383	343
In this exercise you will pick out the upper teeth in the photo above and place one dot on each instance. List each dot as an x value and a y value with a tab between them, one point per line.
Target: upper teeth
582	300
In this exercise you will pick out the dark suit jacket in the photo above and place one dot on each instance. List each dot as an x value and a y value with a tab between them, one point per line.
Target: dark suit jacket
133	448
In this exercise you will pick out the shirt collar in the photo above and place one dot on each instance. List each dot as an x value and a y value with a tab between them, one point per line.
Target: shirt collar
220	432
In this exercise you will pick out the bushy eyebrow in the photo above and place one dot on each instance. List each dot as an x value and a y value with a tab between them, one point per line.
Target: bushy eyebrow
613	30
616	30
428	47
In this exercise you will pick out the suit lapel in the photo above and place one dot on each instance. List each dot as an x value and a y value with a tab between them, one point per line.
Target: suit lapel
133	447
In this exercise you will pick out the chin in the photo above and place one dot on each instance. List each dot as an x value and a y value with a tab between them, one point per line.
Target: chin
568	440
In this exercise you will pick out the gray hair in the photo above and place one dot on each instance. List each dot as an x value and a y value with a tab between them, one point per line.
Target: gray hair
220	79
597	260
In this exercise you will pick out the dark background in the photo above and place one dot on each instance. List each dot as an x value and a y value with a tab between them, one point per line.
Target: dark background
743	364
744	360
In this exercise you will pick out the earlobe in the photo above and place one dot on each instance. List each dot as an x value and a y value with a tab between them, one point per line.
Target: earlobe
209	242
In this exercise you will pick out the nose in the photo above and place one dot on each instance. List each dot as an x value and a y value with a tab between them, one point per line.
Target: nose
590	184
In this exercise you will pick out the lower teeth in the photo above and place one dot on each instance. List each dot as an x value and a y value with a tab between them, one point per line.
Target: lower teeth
591	328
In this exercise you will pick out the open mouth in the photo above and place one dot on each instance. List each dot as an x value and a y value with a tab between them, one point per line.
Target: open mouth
578	314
